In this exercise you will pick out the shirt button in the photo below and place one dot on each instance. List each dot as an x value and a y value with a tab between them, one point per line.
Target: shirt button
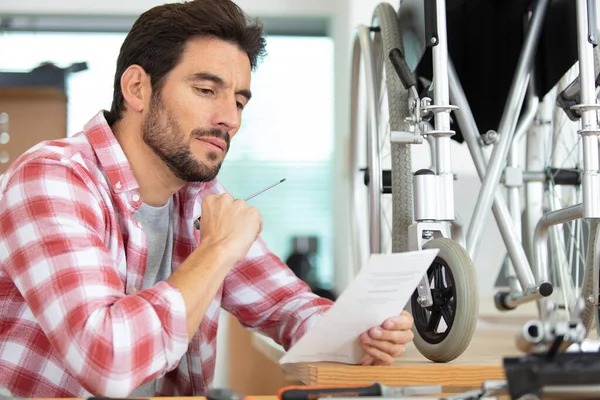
135	197
134	291
118	185
139	224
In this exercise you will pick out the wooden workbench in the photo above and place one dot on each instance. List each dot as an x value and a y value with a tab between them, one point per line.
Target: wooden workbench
273	397
482	361
493	339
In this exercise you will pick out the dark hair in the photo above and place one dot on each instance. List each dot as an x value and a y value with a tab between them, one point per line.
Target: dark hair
157	39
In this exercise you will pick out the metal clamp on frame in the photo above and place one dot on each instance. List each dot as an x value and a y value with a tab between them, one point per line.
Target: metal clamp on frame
406	137
428	189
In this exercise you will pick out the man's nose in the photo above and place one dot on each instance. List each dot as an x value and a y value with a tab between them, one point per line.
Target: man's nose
228	115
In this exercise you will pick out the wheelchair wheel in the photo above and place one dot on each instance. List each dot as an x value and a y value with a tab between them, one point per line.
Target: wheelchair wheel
381	168
444	330
378	106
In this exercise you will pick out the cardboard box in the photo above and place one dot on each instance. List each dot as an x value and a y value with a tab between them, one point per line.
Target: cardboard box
29	115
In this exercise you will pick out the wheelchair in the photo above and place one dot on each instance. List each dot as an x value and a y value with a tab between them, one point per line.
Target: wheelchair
516	82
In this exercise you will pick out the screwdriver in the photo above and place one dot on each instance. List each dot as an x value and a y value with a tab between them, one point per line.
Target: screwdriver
374	390
197	221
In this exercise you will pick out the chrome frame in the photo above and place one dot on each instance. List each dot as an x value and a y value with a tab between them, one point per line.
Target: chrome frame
506	128
528	272
527	277
442	132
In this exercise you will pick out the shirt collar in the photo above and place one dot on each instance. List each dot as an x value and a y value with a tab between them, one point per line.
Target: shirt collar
110	155
114	162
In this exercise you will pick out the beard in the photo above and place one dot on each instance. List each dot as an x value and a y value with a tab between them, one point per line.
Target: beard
162	133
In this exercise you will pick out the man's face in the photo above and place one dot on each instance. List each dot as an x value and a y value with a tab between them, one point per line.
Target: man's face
191	120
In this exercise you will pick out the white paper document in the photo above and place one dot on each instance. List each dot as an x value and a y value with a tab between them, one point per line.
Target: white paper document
379	291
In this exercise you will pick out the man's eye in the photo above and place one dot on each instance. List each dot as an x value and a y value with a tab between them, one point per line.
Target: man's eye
240	105
205	91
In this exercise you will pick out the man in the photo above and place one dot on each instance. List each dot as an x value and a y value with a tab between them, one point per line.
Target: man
107	287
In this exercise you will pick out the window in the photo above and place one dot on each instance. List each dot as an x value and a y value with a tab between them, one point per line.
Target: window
287	129
287	132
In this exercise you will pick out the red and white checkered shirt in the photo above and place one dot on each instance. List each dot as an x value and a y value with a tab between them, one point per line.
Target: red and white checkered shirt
74	320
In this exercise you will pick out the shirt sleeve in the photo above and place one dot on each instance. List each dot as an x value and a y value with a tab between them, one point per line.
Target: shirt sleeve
52	245
266	296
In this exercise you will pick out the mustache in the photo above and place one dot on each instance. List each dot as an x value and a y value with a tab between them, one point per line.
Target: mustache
214	133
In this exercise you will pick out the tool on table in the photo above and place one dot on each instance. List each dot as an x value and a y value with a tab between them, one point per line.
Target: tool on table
197	221
97	398
488	390
225	394
374	390
470	395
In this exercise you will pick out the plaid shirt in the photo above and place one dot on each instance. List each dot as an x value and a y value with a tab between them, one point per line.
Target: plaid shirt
74	320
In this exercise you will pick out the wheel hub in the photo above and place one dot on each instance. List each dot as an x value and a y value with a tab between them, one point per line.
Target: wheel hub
440	298
428	319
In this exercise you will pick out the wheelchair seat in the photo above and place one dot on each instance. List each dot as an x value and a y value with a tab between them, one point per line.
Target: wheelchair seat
485	38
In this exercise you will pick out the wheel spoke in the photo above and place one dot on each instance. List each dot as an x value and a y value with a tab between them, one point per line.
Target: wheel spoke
447	313
438	277
434	321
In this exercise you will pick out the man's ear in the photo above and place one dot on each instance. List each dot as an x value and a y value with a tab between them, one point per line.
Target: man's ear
136	88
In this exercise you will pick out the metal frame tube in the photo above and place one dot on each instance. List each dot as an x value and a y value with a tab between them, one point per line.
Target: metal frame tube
441	97
540	236
539	134
506	127
528	118
503	219
432	150
530	335
514	192
559	261
531	176
513	161
591	179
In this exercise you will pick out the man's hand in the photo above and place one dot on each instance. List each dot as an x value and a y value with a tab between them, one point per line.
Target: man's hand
383	344
228	228
229	224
